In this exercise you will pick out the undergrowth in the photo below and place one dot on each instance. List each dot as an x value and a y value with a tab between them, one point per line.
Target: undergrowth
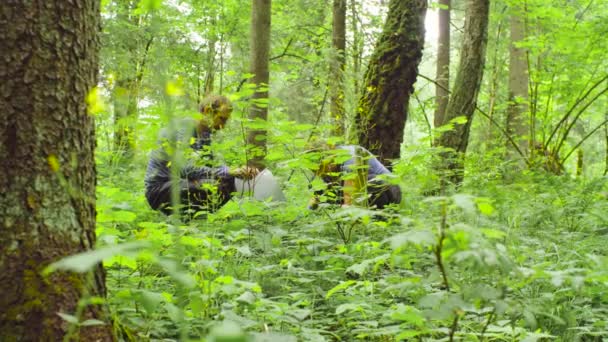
523	261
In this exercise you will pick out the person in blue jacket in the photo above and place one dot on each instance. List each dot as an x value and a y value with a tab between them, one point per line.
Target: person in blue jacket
202	185
339	166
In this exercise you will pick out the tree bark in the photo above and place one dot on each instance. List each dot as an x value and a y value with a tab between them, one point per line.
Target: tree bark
210	66
337	64
466	88
389	80
260	50
129	73
443	64
47	206
517	123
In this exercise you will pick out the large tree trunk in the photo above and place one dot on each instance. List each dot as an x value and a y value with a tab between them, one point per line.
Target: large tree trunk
517	123
466	87
337	64
47	206
443	64
390	77
260	50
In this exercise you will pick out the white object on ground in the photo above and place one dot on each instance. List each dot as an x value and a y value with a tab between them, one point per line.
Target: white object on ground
263	187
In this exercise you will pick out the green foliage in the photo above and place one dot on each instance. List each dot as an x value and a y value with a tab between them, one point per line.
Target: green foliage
510	257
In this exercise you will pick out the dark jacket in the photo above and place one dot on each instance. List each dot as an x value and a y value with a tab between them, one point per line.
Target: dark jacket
202	186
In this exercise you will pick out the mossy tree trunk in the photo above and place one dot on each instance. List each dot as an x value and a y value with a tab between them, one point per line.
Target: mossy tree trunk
260	50
463	97
47	206
389	80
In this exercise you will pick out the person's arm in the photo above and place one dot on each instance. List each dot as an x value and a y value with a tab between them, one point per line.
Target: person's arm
245	172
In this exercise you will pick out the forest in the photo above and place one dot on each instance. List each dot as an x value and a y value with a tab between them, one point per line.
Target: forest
304	170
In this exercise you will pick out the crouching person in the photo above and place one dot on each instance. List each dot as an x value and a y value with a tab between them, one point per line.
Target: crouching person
185	162
351	175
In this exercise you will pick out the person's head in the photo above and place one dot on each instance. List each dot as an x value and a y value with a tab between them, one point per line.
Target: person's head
321	157
216	110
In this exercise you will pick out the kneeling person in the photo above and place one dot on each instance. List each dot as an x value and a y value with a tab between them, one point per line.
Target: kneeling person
202	186
340	169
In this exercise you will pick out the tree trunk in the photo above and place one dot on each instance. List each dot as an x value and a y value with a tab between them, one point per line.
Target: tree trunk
210	62
125	97
133	46
517	123
466	87
47	206
357	46
389	80
606	145
443	64
260	50
337	65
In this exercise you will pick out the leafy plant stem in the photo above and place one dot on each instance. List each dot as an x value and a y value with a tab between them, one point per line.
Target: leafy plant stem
439	247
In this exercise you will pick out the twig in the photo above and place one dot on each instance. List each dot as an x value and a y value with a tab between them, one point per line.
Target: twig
502	130
439	247
485	327
454	326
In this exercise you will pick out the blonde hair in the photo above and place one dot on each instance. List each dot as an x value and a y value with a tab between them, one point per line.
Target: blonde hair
214	104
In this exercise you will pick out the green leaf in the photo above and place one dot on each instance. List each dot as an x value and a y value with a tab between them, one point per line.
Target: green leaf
300	314
227	331
84	262
408	314
342	286
91	322
493	233
116	216
347	307
416	237
464	202
68	318
246	297
174	312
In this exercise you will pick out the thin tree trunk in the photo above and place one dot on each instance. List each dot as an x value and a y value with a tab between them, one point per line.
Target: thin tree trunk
466	87
606	146
517	123
47	206
337	64
357	46
260	50
356	52
443	64
125	94
495	81
390	78
210	62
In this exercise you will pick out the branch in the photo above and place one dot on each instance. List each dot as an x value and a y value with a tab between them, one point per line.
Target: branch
454	327
426	119
485	327
576	103
284	53
578	115
502	130
583	140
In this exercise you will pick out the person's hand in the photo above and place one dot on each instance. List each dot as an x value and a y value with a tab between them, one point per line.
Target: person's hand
245	172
